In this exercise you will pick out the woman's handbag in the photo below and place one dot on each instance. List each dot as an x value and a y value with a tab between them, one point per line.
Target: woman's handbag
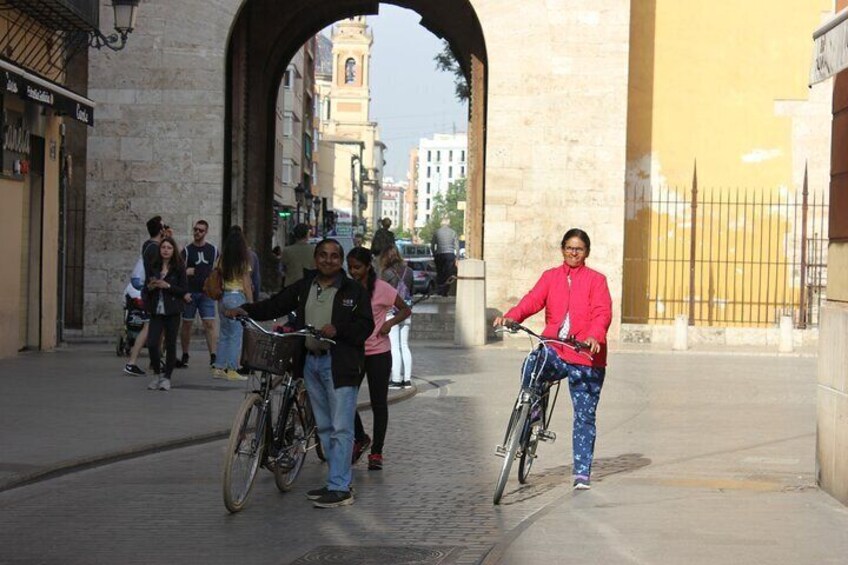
213	286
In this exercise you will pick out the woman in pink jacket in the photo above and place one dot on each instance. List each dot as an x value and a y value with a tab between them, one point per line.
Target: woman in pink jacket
577	302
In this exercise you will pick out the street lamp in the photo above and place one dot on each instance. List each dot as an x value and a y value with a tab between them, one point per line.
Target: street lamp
125	12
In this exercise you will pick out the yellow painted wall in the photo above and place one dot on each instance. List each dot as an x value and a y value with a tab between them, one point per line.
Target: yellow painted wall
11	228
705	82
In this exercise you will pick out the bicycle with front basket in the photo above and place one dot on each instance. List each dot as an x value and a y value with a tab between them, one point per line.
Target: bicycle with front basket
530	417
274	427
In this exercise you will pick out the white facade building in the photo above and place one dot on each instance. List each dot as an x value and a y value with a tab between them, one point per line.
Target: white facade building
442	160
392	199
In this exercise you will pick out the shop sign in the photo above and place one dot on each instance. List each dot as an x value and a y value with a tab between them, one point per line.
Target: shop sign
830	54
47	94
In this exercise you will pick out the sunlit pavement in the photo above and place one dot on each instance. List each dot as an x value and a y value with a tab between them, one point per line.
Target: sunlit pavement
700	459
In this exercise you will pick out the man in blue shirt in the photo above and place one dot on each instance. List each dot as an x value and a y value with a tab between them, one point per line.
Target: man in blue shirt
200	257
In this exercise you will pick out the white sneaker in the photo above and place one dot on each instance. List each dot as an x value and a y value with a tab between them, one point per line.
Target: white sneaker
154	383
232	375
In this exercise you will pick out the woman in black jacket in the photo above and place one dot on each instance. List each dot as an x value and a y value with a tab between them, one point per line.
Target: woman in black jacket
165	295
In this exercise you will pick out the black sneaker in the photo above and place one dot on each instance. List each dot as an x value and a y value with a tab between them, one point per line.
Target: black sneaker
317	493
244	371
182	363
333	498
396	386
582	483
134	370
407	384
211	359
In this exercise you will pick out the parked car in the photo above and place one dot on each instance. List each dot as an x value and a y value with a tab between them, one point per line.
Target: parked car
423	275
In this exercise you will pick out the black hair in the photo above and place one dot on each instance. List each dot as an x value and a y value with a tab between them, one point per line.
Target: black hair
203	223
154	226
576	232
176	262
277	249
300	231
364	256
324	242
235	258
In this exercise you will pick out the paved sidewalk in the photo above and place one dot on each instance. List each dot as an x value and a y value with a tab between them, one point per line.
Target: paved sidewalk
700	459
75	407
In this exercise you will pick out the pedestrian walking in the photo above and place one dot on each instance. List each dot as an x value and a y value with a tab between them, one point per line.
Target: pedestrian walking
199	257
445	246
341	309
299	257
378	352
383	238
149	251
235	268
165	295
577	303
398	274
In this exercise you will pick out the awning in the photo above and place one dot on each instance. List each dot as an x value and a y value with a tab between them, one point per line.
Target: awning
831	48
28	86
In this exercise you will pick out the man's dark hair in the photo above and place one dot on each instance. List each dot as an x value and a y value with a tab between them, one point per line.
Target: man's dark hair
204	223
154	226
300	231
326	241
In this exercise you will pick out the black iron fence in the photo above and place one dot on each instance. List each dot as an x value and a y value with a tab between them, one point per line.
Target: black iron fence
725	257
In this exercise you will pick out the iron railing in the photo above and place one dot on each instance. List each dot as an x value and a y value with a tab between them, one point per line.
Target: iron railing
724	257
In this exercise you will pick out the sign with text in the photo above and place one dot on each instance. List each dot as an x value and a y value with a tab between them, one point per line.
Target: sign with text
830	54
47	94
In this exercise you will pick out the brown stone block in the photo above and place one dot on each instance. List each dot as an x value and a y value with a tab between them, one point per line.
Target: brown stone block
838	213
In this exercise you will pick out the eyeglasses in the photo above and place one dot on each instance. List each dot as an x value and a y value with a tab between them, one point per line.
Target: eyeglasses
201	230
575	250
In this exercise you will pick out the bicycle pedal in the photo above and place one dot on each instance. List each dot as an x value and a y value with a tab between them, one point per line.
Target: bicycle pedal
547	435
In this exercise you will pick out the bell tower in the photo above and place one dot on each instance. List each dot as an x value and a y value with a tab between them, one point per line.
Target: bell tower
351	91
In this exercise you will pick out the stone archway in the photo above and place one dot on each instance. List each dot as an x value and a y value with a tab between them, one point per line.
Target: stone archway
262	41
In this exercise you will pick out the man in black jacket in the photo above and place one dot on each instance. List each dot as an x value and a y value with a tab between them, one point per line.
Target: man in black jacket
341	309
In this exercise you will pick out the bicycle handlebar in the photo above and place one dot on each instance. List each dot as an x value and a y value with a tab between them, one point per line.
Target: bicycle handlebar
571	342
306	331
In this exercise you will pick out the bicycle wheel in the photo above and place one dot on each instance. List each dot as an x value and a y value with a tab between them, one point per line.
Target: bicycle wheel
513	435
245	451
289	460
529	443
310	427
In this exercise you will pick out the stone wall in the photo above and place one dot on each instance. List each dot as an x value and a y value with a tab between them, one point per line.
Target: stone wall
556	134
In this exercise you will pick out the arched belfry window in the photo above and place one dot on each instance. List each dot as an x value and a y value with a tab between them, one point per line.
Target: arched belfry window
350	71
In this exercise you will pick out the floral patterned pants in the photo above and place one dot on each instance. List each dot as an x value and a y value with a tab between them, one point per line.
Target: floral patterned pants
584	384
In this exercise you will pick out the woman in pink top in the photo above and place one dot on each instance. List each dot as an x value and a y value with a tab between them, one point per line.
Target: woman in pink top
577	303
378	352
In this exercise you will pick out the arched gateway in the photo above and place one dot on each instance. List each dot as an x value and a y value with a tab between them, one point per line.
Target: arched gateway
265	36
184	118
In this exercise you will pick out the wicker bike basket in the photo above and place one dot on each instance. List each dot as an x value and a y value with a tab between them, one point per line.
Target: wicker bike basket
262	352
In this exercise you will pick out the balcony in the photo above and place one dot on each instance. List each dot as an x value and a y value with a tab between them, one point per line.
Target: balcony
64	15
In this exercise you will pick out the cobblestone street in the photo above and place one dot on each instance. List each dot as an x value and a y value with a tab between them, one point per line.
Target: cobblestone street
679	451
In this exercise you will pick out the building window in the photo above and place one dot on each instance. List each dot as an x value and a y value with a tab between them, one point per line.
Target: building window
462	156
288	124
350	71
438	170
327	108
438	156
429	155
450	172
462	171
450	155
428	207
288	79
428	189
428	172
288	168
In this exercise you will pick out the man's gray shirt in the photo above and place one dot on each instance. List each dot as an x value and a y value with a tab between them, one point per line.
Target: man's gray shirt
444	241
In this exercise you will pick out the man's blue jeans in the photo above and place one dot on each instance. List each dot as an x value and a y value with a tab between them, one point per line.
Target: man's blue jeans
334	410
585	385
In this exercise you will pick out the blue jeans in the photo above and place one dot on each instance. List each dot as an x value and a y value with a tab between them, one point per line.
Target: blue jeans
334	410
584	384
229	339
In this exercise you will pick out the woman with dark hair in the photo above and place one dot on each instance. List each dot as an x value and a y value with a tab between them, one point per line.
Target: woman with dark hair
164	296
378	355
234	265
397	273
577	303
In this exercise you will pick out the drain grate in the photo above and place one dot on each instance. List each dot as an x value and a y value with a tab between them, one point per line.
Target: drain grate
380	555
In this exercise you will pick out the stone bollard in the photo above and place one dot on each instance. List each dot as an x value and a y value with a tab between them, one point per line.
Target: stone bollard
470	326
785	345
681	333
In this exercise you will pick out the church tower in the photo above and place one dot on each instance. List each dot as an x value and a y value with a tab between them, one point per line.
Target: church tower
351	91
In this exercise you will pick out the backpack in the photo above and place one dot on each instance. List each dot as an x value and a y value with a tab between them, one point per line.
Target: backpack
213	286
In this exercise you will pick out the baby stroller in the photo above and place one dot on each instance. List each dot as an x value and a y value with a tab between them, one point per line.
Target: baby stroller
134	318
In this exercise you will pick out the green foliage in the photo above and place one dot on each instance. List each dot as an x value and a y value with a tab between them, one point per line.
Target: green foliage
446	61
445	205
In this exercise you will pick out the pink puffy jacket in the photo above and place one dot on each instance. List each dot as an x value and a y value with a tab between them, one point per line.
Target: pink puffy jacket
587	302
